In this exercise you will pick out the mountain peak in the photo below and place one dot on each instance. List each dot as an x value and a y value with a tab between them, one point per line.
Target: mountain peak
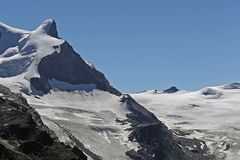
172	89
49	27
45	62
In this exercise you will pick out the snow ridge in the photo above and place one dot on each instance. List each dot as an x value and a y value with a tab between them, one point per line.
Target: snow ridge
21	51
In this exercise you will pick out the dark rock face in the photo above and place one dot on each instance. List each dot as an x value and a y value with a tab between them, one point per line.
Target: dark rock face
40	85
156	140
209	91
235	85
138	115
171	90
53	30
68	66
23	136
158	143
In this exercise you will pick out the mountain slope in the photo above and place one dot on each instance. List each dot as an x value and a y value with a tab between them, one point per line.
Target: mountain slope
40	60
77	101
210	114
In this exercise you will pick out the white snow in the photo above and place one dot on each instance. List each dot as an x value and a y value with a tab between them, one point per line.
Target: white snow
55	114
212	117
21	52
10	37
91	118
45	26
88	114
210	114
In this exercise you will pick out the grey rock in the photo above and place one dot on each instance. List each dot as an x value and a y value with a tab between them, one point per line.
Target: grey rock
23	136
53	30
173	89
68	66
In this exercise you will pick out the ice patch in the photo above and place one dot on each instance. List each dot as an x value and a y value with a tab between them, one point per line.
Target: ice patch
64	86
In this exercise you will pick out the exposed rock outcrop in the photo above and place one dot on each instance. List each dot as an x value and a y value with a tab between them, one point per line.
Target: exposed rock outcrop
173	89
138	115
68	66
156	141
23	136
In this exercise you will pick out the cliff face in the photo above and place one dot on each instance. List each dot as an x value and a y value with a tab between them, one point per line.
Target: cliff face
156	141
37	60
23	136
68	66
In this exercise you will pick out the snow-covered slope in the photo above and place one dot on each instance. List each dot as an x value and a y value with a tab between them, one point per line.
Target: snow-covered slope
71	105
77	102
91	118
37	61
21	52
211	114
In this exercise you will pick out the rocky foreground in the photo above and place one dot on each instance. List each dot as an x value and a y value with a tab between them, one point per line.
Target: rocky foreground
23	136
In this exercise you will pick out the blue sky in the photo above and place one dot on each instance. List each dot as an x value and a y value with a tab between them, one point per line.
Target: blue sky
145	44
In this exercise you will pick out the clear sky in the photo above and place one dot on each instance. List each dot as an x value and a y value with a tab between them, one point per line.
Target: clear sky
144	44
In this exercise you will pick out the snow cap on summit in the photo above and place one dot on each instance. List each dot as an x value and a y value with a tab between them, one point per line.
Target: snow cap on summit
49	27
